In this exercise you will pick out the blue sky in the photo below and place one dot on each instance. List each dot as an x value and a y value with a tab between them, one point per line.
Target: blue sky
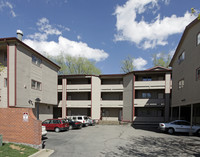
104	31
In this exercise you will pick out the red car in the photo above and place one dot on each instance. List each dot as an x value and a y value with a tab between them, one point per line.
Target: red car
56	124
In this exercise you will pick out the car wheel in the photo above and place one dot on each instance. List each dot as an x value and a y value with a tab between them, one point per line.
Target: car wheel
170	131
57	130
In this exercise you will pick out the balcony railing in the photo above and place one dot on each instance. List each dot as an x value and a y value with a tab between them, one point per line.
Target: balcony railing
77	103
149	84
117	88
112	103
77	88
149	102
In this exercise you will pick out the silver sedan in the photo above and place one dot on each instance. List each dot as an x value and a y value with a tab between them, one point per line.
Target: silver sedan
179	126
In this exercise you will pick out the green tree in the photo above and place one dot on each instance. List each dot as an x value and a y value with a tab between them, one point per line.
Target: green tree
162	60
1	67
127	64
195	12
75	65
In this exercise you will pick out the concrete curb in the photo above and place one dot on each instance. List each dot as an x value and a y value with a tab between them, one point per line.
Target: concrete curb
43	153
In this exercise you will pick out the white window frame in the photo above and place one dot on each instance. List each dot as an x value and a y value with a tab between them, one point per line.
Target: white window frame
36	85
198	74
198	38
181	57
181	84
37	61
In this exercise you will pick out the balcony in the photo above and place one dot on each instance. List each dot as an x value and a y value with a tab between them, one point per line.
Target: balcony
149	84
149	102
77	103
60	88
113	88
112	103
79	88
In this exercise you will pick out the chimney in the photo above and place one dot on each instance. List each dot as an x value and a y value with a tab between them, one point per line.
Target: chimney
19	34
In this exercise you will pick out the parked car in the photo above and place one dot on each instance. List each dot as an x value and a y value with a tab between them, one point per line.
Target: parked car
91	121
179	126
74	124
56	124
82	119
44	131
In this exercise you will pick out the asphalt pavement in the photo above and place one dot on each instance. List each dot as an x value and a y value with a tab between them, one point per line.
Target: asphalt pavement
120	140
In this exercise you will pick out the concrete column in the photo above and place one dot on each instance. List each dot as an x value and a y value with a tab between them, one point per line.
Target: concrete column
95	97
64	97
128	98
191	119
167	95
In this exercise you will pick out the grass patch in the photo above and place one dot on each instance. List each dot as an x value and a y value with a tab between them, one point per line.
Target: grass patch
15	150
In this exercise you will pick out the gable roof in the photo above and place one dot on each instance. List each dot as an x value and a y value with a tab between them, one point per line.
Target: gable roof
188	27
157	68
10	39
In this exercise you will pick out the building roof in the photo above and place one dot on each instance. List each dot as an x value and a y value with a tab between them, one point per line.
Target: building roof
187	28
156	69
10	39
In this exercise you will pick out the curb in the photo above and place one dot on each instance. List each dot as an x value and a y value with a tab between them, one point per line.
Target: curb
43	153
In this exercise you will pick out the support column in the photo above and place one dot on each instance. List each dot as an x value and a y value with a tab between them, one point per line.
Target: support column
179	112
64	97
167	95
191	119
95	97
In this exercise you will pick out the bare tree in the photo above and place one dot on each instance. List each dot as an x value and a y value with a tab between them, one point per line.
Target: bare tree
127	64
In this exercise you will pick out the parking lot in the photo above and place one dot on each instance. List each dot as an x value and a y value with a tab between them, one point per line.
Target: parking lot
120	140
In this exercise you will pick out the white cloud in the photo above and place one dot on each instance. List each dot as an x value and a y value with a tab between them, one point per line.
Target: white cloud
38	41
147	34
63	28
45	29
139	63
6	4
67	47
171	52
78	37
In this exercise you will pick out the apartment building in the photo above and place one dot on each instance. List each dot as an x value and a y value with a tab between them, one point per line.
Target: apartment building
26	93
139	96
186	75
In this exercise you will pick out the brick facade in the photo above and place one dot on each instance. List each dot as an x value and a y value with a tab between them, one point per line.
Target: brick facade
14	128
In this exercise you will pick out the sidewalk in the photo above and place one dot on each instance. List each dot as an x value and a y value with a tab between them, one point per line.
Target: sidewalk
43	153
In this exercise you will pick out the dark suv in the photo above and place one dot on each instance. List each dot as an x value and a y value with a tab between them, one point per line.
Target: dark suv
56	124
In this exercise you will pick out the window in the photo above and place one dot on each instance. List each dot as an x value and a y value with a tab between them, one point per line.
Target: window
181	57
36	85
181	84
46	122
146	79
198	74
146	95
198	39
5	82
36	60
79	118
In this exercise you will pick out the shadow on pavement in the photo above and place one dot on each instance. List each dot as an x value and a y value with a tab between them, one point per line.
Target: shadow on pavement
154	128
147	127
147	146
